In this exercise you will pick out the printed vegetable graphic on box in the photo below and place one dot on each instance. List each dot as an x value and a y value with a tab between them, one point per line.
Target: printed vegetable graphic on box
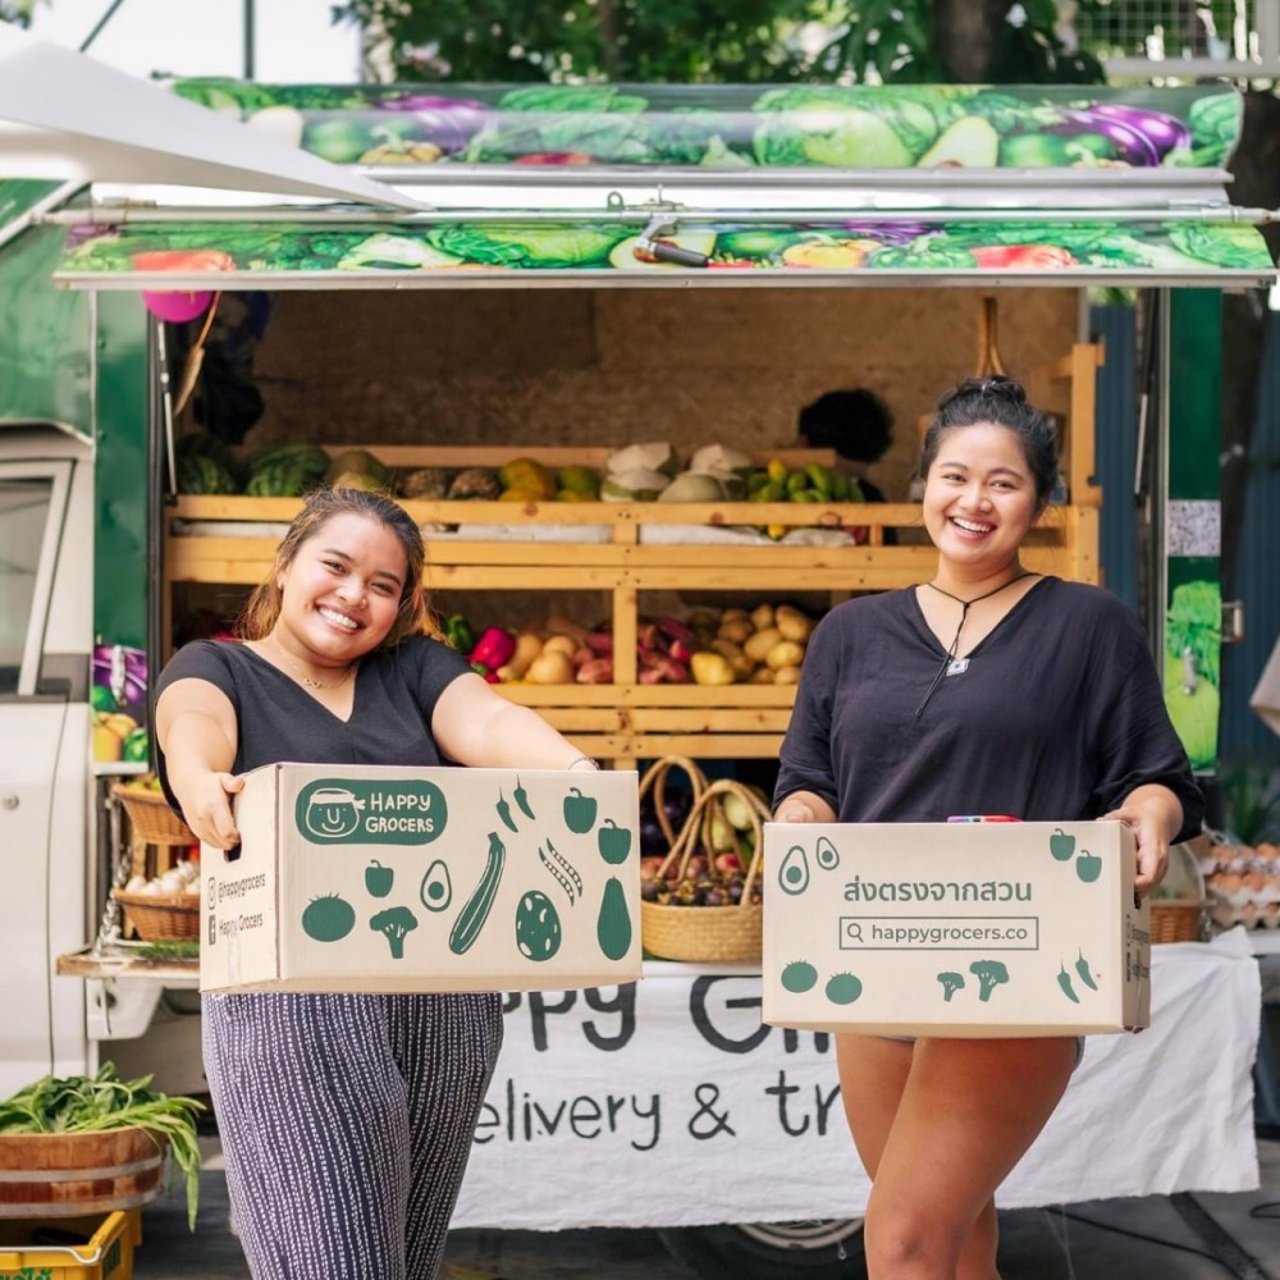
354	878
955	929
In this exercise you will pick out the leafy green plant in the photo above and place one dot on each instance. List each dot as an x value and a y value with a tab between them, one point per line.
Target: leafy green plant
1251	801
95	1104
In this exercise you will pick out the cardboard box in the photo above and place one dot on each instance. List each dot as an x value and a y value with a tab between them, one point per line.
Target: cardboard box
955	929
357	878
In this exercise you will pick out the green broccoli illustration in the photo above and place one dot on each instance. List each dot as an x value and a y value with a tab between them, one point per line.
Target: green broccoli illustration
989	973
394	923
951	983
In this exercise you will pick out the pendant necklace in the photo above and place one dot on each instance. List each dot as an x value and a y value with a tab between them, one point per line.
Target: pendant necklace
302	676
949	663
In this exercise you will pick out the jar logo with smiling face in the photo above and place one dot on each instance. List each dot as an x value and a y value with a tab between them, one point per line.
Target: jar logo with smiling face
332	813
360	811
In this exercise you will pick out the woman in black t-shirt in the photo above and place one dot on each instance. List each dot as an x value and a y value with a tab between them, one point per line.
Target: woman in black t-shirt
346	1120
988	689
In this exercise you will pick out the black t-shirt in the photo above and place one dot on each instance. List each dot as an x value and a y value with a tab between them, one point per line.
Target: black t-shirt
395	693
1056	717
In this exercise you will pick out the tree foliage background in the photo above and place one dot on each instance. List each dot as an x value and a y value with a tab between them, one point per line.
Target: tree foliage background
690	41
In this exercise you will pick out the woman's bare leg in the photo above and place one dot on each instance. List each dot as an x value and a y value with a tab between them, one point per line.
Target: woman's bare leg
967	1112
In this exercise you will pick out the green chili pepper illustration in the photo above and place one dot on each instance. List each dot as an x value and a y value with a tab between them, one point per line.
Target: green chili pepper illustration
521	797
504	813
1064	981
1082	968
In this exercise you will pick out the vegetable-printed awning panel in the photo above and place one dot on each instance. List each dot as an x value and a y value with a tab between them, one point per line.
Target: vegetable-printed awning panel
19	196
230	255
743	126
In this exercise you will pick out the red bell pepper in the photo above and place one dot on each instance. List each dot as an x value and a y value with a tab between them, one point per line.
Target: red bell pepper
494	649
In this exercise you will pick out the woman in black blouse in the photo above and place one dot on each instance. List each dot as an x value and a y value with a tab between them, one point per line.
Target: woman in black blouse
988	689
346	1120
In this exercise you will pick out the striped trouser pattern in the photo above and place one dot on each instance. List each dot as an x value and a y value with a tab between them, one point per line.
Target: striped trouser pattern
346	1122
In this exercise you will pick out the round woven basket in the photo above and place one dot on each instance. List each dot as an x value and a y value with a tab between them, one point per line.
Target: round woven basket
1175	921
709	935
151	818
161	917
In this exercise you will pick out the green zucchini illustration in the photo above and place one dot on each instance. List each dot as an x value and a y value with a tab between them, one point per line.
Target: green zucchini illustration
613	925
472	917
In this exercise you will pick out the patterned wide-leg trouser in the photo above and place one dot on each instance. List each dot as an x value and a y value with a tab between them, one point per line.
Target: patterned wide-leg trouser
346	1122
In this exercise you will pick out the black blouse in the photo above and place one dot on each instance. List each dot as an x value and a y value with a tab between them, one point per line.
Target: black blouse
395	694
1057	715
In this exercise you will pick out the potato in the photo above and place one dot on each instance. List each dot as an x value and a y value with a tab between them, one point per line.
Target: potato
711	668
560	644
551	666
786	653
756	646
762	617
792	623
786	675
736	629
742	665
762	675
731	615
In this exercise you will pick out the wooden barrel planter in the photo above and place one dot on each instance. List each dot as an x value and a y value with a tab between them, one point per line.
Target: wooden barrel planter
74	1174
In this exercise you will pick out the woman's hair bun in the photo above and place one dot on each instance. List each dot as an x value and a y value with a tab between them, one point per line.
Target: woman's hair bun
994	386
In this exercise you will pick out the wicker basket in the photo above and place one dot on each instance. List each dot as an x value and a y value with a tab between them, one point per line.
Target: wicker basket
655	780
151	818
1177	921
161	917
709	935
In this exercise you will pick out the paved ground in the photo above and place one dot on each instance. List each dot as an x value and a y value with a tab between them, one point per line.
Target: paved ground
1036	1244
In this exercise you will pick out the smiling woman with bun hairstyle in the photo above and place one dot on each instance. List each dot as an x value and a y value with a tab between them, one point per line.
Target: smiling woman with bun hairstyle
988	689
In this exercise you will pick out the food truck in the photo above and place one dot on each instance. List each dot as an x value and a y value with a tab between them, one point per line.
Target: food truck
601	288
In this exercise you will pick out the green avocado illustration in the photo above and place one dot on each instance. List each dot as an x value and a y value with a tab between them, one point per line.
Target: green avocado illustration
436	890
793	874
825	854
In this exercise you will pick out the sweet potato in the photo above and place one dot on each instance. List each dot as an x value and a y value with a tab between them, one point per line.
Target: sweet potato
596	671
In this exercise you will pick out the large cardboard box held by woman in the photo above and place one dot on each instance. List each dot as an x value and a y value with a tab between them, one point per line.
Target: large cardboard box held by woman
955	929
362	878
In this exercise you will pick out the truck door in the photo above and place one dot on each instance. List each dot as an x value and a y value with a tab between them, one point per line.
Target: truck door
44	769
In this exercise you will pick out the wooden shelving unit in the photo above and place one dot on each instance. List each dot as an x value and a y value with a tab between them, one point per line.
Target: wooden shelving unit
626	721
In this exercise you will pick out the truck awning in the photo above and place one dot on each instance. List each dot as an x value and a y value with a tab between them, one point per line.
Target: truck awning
678	186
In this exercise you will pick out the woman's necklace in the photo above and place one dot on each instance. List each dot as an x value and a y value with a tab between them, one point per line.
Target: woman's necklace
300	675
949	663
